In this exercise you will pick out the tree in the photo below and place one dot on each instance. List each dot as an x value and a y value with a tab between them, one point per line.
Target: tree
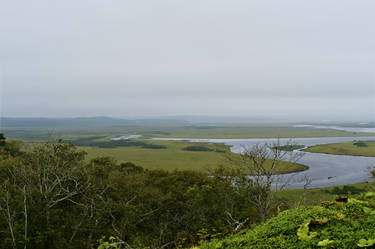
261	162
50	197
371	170
10	148
2	140
36	189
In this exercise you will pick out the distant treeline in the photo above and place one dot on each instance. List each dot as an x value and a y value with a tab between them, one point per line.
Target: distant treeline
201	148
92	142
289	147
360	144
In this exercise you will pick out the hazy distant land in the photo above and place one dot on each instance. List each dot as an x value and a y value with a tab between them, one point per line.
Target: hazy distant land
54	128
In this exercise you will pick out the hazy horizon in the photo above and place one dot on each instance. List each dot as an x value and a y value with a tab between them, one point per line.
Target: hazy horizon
216	119
290	59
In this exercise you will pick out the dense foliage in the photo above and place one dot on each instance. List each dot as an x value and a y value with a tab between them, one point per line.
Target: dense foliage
360	144
50	197
348	224
201	148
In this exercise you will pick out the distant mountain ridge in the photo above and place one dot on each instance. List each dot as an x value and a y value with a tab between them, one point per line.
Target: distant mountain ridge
7	122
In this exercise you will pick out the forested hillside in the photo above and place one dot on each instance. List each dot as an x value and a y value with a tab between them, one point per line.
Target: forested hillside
50	197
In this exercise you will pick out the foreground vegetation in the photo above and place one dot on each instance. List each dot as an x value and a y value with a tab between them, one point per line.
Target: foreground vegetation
349	223
354	148
314	196
52	197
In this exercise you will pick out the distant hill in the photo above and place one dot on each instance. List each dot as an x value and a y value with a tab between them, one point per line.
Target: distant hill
63	122
80	122
162	122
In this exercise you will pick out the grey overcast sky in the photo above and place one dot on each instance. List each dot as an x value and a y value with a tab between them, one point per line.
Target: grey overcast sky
187	57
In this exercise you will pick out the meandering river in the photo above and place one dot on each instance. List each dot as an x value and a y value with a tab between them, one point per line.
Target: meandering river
324	169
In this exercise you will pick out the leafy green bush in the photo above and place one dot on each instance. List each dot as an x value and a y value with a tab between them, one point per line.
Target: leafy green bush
202	148
331	225
345	190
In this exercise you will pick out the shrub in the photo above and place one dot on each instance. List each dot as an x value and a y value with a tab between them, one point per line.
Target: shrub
360	144
332	225
197	148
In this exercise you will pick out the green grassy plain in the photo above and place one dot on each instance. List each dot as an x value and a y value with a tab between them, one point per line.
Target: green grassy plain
173	157
345	148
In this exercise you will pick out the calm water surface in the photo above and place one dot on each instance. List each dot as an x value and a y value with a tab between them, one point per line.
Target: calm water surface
324	169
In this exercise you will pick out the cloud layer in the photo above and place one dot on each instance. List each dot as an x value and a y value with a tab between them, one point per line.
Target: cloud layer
211	57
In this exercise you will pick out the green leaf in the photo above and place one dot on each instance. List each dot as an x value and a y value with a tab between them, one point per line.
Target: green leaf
325	242
359	202
340	216
366	243
303	232
322	220
367	210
